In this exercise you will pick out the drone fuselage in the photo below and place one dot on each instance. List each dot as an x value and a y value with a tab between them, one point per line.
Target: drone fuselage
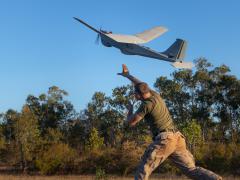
134	49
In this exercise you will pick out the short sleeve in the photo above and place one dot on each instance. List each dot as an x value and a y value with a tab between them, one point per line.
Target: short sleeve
144	109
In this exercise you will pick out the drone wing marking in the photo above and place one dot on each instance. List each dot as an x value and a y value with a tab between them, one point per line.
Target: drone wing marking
140	38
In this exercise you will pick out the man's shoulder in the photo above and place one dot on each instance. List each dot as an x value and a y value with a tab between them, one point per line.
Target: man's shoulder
148	103
154	93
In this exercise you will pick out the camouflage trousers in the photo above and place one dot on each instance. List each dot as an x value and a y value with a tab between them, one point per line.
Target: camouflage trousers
171	145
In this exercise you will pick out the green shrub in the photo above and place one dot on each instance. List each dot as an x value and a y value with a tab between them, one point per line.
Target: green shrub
58	157
122	160
130	156
192	132
94	142
100	174
235	165
2	143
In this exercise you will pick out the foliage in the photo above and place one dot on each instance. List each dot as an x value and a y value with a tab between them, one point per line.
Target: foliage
2	140
27	136
51	109
121	160
53	136
49	134
192	132
130	155
94	142
58	157
100	174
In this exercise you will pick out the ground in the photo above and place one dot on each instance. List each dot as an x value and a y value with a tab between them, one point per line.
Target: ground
20	177
12	177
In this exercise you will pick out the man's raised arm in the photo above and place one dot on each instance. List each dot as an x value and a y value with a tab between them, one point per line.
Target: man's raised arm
125	73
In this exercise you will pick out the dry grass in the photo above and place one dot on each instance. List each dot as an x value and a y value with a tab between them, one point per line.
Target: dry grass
21	177
71	177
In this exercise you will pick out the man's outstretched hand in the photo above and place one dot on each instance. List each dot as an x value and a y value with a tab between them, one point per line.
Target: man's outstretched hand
125	71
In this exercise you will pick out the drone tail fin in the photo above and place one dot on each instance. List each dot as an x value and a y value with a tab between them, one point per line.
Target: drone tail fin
177	50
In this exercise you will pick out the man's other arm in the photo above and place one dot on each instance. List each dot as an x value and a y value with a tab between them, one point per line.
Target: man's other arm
134	119
125	73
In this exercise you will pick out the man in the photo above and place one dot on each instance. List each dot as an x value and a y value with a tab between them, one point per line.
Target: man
167	141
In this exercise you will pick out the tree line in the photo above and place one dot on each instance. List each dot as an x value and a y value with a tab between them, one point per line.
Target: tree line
49	136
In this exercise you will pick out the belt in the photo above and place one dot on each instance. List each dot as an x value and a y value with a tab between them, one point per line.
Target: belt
163	131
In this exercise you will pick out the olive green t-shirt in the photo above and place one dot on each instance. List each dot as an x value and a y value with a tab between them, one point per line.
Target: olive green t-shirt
156	114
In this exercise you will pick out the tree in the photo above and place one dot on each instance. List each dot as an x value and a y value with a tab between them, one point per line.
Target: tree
51	110
227	104
57	157
27	136
94	142
9	119
77	134
192	131
192	95
95	109
2	139
204	96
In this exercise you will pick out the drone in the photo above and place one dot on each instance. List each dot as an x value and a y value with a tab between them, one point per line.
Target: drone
132	45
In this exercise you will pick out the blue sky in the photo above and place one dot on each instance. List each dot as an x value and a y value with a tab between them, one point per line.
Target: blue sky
41	45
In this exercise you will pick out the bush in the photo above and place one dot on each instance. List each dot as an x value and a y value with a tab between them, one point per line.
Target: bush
100	174
59	157
122	161
130	156
94	142
219	157
192	132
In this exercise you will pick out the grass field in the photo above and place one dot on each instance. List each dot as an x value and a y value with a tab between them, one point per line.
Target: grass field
10	177
21	177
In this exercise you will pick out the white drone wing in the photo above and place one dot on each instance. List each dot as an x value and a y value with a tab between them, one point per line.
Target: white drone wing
151	33
140	38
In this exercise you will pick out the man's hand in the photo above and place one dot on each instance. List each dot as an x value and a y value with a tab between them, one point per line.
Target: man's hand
125	71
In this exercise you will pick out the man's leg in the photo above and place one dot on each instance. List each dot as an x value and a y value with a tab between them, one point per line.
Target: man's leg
154	155
184	160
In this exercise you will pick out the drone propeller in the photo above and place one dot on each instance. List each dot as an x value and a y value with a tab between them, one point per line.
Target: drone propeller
97	39
99	36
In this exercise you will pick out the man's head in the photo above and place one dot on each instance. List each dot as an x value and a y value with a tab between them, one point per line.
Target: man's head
142	91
